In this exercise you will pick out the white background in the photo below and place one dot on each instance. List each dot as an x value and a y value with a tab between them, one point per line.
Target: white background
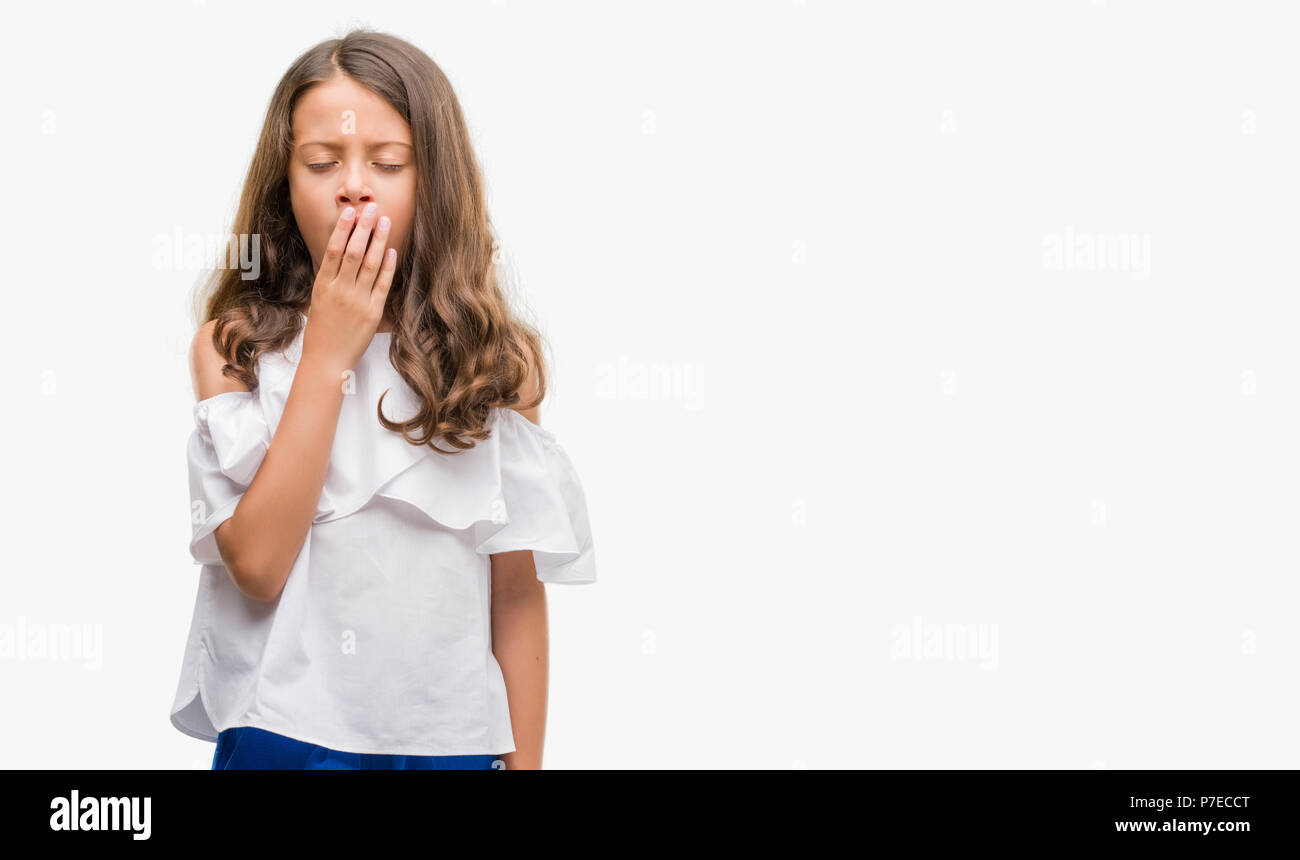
881	412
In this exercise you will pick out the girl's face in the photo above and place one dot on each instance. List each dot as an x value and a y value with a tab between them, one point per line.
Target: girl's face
350	148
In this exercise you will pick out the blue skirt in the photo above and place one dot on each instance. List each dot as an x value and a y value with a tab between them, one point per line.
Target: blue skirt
248	748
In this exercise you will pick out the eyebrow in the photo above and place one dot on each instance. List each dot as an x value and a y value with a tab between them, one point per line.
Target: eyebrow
328	145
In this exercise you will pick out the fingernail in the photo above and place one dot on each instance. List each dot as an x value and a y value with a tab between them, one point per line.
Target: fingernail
371	208
348	213
383	223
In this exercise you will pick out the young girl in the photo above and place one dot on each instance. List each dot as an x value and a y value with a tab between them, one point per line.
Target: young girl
375	506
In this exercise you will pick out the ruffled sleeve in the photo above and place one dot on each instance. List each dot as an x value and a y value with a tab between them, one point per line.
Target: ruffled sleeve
230	438
541	506
516	490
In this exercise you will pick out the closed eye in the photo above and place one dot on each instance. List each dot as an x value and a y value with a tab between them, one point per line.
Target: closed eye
391	168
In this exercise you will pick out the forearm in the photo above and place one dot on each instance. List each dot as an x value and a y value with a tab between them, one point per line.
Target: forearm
266	532
519	642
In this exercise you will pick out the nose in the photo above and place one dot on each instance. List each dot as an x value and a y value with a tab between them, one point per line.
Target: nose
354	191
357	201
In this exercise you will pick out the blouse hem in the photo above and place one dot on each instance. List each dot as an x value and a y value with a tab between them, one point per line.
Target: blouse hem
315	741
196	696
298	736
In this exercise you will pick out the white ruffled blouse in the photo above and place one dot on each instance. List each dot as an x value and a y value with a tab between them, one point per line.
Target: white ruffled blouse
381	640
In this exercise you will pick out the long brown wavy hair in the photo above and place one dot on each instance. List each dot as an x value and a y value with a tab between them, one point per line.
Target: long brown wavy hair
456	340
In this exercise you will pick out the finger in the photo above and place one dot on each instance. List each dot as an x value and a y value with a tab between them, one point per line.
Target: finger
375	255
356	247
379	295
337	242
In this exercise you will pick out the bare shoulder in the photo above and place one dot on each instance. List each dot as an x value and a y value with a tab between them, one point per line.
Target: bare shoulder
206	364
527	394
